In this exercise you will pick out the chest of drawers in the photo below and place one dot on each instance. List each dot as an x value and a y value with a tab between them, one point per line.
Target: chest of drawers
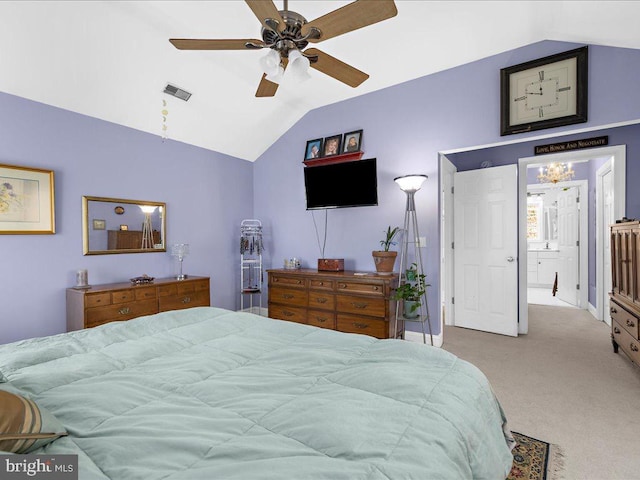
340	301
111	302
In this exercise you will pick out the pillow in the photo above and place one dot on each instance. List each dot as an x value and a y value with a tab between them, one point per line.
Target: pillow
24	426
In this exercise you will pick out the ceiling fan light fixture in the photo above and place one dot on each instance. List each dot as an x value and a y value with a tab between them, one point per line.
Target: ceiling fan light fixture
270	63
276	75
298	67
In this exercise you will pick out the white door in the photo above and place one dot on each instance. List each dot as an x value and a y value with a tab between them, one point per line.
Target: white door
568	246
608	219
486	249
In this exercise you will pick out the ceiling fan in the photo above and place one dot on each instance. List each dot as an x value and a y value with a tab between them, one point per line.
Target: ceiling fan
288	33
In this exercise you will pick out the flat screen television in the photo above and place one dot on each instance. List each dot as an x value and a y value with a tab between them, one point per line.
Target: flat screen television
340	185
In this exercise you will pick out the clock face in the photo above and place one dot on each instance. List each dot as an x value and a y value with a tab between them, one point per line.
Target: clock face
544	93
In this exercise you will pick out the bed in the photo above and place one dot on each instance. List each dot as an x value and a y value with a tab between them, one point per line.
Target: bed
207	393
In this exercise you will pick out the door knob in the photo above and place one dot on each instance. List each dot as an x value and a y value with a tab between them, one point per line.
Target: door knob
510	259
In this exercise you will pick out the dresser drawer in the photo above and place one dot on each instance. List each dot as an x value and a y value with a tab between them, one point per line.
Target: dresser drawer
374	307
321	284
122	296
291	314
287	281
167	290
323	300
97	299
186	300
191	287
123	311
319	318
365	326
145	293
290	296
625	319
357	287
629	344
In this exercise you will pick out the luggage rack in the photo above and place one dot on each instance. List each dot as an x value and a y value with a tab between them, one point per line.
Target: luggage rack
251	248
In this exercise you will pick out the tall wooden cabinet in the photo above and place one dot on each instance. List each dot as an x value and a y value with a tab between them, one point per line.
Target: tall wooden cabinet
625	292
344	301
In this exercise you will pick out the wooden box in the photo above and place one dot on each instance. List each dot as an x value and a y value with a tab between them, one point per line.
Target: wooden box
331	264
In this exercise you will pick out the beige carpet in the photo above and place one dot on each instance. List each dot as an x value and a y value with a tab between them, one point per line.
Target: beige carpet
563	384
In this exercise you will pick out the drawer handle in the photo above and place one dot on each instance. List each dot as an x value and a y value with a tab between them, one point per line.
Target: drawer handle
342	285
360	325
375	289
616	330
321	300
287	296
630	323
124	311
321	319
299	282
276	280
288	313
613	310
360	305
321	283
186	300
633	347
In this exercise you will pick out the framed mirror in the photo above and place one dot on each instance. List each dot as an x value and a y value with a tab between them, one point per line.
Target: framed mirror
116	225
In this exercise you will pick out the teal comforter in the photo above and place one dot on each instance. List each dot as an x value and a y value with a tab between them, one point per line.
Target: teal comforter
207	393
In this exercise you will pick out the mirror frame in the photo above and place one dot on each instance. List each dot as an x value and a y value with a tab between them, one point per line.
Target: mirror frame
85	225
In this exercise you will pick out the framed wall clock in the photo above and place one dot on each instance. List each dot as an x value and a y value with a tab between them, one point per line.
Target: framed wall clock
544	93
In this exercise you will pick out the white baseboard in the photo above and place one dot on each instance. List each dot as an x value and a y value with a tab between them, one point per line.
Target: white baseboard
416	337
592	310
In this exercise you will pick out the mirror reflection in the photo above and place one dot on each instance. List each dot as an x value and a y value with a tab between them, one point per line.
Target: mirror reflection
116	225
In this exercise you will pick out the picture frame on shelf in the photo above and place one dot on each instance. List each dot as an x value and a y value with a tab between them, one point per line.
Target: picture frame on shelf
124	228
313	149
544	93
332	146
99	224
352	141
27	200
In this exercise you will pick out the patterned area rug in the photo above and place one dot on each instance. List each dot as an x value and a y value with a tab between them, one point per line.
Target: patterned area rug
534	459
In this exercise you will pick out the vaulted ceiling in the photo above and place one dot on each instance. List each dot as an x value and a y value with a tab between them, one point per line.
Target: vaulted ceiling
112	59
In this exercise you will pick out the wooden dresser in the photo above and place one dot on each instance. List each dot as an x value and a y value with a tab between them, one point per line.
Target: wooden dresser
625	294
128	239
341	301
122	301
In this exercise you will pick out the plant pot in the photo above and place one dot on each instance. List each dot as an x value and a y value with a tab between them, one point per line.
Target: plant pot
384	261
411	310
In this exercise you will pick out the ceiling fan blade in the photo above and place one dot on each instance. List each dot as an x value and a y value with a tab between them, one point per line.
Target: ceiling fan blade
195	44
351	17
335	68
264	9
266	88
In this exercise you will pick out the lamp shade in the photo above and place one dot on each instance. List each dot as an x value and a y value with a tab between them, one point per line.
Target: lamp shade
148	208
270	63
410	183
298	67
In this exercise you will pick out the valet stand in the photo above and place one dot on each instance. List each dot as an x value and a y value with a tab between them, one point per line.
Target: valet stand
410	184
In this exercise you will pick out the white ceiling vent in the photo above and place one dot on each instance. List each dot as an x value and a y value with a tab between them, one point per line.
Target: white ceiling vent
177	92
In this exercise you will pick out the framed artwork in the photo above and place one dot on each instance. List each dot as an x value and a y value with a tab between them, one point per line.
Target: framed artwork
99	224
352	141
332	145
119	210
544	93
124	228
313	149
26	201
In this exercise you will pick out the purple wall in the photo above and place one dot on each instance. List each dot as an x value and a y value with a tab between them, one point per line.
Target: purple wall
405	126
207	195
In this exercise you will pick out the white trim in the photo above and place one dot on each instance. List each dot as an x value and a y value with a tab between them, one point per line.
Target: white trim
416	337
447	168
602	171
541	137
592	310
618	152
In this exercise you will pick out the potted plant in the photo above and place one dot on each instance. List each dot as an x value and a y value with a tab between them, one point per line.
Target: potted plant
411	292
385	259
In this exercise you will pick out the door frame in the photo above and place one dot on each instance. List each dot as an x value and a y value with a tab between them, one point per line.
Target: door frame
447	171
618	160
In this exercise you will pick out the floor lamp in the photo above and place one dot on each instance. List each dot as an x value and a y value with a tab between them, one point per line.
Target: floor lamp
410	184
147	229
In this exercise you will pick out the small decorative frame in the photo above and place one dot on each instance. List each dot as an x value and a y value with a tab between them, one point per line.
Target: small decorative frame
119	210
332	146
352	141
26	201
313	149
544	93
124	228
99	224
